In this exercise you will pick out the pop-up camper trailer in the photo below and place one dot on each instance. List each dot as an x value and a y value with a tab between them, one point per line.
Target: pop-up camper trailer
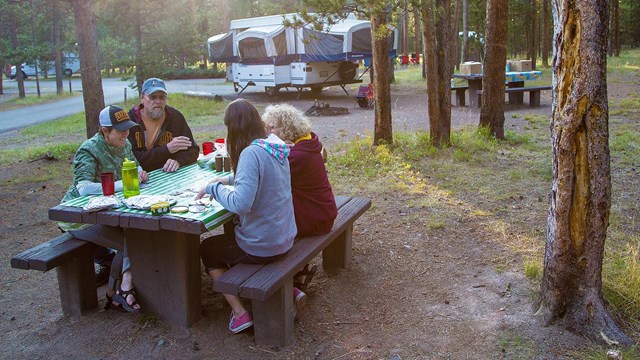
266	53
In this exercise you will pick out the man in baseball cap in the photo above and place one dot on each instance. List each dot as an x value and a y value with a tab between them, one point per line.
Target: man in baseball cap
163	139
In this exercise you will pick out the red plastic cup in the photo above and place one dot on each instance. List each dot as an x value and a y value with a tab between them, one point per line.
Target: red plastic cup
107	181
221	143
207	147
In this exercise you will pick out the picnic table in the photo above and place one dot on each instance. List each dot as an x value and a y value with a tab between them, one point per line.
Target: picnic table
513	79
164	250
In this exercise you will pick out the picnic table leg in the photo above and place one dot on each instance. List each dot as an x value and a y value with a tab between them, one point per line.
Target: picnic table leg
460	100
166	273
534	98
77	284
474	86
516	98
338	254
273	318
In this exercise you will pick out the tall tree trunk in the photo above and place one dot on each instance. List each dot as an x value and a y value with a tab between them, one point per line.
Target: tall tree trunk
492	110
419	43
55	14
137	29
405	29
13	30
465	30
580	199
383	133
91	81
615	28
224	5
534	37
455	40
437	33
545	33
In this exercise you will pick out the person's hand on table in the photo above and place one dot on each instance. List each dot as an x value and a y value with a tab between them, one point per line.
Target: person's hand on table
203	191
178	143
171	165
143	176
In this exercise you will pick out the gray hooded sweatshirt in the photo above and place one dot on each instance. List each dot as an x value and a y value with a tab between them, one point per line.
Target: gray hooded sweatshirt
261	198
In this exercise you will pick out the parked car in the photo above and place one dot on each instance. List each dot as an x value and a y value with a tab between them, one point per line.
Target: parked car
70	66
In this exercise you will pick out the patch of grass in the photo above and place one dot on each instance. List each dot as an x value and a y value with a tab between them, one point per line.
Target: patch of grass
624	144
411	76
59	151
628	63
514	346
50	130
621	280
436	224
627	106
148	320
533	269
33	99
595	352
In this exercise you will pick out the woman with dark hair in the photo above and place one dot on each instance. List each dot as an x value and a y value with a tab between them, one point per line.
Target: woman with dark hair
261	198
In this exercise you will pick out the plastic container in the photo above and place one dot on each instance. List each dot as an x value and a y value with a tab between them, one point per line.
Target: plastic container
130	184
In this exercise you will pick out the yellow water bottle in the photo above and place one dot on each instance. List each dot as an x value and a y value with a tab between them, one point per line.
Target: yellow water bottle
130	184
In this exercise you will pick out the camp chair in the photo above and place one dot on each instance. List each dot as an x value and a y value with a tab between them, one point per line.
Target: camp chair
404	60
415	59
365	98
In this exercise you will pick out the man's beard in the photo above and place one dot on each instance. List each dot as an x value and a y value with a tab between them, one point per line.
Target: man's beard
156	113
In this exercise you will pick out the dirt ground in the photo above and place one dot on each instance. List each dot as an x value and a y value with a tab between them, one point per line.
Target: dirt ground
411	292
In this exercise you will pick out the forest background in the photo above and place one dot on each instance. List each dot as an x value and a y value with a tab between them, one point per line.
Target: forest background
170	37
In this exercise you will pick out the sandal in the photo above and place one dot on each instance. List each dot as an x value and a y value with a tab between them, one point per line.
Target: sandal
122	305
308	272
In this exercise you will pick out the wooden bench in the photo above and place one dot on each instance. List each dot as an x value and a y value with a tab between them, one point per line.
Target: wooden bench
270	287
534	93
73	259
460	98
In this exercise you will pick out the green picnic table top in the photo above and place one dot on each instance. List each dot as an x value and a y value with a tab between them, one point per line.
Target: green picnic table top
187	178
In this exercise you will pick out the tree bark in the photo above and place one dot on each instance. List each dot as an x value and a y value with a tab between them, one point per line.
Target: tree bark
91	81
417	43
533	33
55	14
405	29
580	198
455	39
437	33
545	33
13	30
492	109
137	29
465	30
383	133
615	28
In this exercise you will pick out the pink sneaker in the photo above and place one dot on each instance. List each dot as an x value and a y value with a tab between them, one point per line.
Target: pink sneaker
239	323
299	298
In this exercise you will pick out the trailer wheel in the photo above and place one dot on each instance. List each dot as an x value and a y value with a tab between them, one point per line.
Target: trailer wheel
67	73
347	71
271	91
235	87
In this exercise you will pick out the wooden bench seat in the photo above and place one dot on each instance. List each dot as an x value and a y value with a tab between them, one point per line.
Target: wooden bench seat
270	287
460	94
534	93
73	260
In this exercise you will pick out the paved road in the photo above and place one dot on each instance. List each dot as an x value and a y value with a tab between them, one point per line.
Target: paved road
114	90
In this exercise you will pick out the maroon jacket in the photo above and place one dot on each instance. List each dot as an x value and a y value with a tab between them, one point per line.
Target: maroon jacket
313	202
174	125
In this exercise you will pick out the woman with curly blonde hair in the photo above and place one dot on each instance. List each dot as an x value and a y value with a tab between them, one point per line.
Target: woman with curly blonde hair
313	201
